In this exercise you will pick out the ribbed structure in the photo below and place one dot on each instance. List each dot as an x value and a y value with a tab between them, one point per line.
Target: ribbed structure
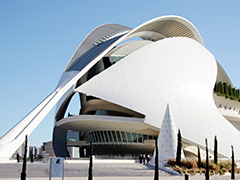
169	28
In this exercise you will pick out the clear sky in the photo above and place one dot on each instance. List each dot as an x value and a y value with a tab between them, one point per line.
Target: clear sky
38	38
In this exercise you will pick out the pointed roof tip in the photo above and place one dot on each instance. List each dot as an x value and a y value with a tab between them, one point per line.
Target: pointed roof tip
168	110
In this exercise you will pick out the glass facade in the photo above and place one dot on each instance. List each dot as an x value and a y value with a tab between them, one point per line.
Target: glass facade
72	135
111	137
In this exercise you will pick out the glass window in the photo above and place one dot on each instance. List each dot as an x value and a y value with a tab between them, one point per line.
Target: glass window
102	136
119	136
150	137
134	136
123	136
87	137
106	136
90	136
144	137
96	136
110	136
129	137
114	136
99	137
140	138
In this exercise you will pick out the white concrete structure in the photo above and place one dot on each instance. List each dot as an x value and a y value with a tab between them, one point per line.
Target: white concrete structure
125	78
167	139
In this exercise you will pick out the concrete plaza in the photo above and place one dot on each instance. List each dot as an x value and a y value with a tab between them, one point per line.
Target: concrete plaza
102	170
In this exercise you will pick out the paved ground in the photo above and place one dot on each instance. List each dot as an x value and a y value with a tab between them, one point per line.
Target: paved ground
102	170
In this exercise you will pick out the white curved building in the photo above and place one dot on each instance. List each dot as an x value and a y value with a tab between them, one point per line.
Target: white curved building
125	78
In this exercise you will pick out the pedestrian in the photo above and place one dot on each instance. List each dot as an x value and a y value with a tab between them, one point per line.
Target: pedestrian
31	158
144	158
148	158
18	158
140	158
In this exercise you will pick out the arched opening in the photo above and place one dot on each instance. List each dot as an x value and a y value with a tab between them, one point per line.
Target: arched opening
71	106
74	106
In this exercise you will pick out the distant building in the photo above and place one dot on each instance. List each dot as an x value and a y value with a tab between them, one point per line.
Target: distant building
33	150
47	149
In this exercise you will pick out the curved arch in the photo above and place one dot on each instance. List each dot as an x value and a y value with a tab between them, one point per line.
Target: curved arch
95	35
61	111
65	105
165	27
127	48
59	142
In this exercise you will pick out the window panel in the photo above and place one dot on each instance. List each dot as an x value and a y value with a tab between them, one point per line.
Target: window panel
129	137
144	137
119	136
102	136
91	137
140	138
134	136
110	136
99	137
106	136
115	136
123	136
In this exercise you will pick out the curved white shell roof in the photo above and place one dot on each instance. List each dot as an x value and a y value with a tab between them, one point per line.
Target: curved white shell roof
165	27
155	29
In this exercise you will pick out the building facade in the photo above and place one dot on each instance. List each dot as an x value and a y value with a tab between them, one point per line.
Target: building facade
129	76
124	78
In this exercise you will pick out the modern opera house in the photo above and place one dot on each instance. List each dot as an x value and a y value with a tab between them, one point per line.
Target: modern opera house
124	78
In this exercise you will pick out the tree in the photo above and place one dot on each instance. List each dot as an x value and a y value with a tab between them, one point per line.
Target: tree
207	162
226	91
156	175
179	149
234	93
215	87
90	176
215	150
23	174
221	88
233	165
230	90
199	158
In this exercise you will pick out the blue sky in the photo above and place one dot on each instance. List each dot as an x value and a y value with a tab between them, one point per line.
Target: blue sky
38	38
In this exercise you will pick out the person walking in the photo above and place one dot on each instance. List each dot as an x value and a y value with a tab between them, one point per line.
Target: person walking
140	158
18	158
144	158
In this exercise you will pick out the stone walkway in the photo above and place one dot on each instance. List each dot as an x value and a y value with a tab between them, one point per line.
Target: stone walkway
102	170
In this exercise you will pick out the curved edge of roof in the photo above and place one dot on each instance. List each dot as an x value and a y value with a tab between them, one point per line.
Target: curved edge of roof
93	36
172	17
222	75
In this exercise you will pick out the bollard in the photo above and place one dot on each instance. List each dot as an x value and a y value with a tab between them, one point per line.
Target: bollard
186	177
